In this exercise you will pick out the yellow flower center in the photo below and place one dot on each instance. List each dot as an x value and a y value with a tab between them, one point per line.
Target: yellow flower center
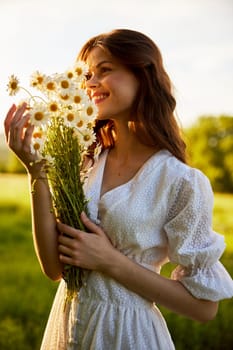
78	71
37	134
70	75
89	111
77	99
80	124
70	117
64	84
53	107
64	97
40	79
14	85
86	137
38	116
36	146
50	86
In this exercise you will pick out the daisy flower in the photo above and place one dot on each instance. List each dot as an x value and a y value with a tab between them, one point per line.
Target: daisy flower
38	140
38	133
86	138
65	85
80	124
13	85
49	85
53	107
70	74
37	80
90	109
71	117
79	97
80	69
37	145
82	121
39	114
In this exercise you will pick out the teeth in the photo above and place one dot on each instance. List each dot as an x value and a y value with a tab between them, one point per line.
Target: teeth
99	97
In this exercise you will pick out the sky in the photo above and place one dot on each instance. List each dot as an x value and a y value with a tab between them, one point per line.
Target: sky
194	36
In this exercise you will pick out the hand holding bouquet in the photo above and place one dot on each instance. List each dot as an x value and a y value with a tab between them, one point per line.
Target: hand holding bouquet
63	117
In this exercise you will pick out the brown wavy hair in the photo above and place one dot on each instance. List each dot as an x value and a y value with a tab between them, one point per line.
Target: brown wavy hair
154	121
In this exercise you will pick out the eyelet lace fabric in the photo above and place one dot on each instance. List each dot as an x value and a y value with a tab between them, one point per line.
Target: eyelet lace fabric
163	213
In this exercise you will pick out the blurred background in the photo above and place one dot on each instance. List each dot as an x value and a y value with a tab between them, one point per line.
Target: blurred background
195	38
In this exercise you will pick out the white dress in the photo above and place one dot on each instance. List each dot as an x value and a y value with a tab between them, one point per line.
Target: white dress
163	213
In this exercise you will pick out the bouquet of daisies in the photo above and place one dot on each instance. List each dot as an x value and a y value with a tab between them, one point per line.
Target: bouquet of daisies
63	117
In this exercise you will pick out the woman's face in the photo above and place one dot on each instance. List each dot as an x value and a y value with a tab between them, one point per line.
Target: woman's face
111	86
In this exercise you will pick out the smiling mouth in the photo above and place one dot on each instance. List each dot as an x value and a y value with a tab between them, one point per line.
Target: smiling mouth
99	98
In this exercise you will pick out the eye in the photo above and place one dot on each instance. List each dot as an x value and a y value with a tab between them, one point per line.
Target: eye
88	75
105	69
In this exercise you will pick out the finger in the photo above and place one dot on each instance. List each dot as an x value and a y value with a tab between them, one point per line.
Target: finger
66	260
8	120
28	133
67	255
19	113
17	130
64	250
17	123
91	226
21	109
66	240
70	231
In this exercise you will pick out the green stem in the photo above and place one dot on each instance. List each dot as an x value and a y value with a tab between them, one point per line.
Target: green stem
33	97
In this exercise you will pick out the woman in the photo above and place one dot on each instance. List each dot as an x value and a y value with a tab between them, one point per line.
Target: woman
146	207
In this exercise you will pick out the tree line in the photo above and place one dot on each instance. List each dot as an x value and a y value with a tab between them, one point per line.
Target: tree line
209	147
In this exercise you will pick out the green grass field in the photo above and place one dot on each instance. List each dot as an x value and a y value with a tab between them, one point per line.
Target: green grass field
26	294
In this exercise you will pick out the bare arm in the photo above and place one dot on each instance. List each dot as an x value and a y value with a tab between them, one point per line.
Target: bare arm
95	252
45	234
18	135
164	291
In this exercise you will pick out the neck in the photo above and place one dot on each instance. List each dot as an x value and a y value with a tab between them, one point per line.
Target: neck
127	145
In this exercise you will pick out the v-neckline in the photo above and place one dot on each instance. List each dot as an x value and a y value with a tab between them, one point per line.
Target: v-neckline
131	180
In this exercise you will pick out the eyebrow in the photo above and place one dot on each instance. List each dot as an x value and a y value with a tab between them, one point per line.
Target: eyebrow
102	62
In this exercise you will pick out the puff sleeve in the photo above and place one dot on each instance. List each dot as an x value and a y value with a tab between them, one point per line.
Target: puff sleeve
193	245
